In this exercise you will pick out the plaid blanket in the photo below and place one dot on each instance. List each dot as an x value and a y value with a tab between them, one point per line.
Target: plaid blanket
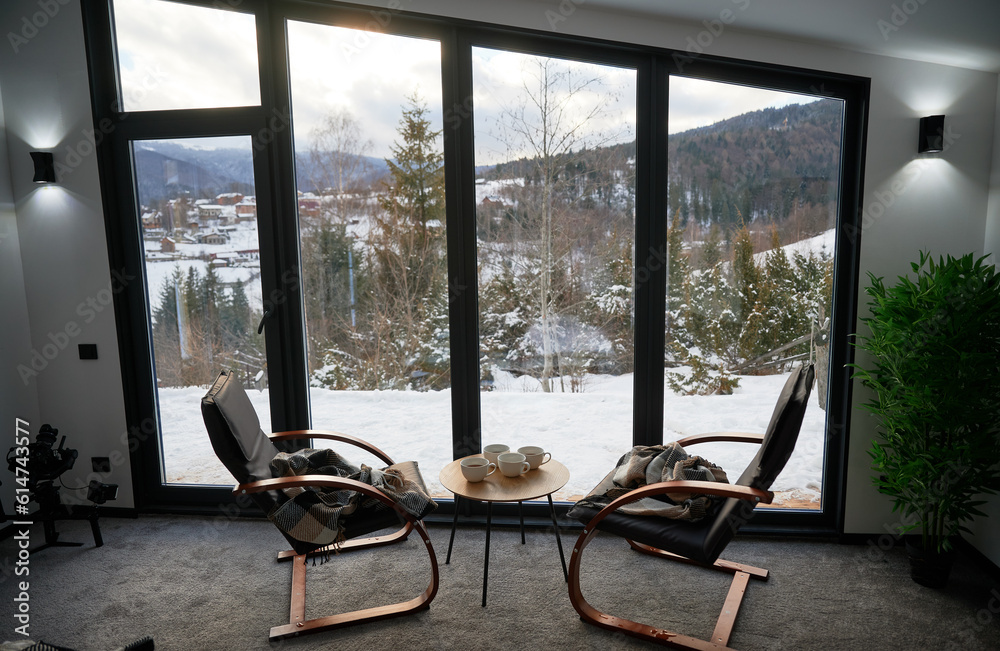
318	515
644	465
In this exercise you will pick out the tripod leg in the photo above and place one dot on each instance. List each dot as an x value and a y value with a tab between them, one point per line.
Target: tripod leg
51	535
95	527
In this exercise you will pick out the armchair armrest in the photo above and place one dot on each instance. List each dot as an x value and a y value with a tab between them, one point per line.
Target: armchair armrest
321	481
713	437
717	489
331	436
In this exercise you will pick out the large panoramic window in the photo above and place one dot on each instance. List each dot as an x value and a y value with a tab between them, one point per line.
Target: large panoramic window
438	235
555	230
369	170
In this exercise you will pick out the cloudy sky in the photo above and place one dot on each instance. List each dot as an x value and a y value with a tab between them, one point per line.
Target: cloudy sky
179	56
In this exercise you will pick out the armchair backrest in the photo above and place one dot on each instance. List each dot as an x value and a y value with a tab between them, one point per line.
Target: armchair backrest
782	432
236	435
774	452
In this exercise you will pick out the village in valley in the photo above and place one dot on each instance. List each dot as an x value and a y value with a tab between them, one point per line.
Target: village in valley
181	224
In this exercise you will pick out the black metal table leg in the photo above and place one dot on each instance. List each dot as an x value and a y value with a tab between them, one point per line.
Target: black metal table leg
562	558
454	523
520	512
486	561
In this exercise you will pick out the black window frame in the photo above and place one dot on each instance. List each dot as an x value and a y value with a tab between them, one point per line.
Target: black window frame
275	178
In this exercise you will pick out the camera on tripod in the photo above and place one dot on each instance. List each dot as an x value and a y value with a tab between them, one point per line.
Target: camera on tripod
42	465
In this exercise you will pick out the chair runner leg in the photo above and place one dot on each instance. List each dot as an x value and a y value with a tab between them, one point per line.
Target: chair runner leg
298	625
720	565
724	625
359	543
297	615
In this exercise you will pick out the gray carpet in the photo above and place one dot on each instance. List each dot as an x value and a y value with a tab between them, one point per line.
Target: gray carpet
210	584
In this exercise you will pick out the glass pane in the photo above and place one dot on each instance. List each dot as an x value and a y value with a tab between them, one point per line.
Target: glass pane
176	56
202	268
555	222
753	184
367	117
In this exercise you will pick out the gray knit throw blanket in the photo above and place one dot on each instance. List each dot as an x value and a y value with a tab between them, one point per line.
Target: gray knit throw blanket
644	465
318	515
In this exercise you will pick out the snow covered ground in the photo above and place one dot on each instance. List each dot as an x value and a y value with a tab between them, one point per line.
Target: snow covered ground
587	432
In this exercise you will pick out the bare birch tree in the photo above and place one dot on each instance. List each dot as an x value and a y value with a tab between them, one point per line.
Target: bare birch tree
338	156
553	117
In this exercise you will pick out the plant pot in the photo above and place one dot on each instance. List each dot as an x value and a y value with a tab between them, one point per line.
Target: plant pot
929	568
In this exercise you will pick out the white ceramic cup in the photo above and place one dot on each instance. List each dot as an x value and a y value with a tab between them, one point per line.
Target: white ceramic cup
492	451
512	464
534	455
476	469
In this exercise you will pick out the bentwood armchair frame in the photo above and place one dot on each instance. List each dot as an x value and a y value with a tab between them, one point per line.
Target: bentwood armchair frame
246	451
701	543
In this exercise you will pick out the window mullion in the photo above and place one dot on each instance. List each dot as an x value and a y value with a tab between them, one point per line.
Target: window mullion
650	256
460	181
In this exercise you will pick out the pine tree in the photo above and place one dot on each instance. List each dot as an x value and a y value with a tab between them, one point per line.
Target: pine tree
416	193
505	316
746	275
711	249
329	263
678	271
609	305
236	319
166	331
407	310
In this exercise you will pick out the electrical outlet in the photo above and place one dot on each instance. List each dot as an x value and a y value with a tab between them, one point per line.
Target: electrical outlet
101	464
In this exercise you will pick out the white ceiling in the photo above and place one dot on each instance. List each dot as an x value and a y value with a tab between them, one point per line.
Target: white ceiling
964	33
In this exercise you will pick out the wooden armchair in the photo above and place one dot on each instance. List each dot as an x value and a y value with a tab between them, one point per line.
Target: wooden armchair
247	451
699	542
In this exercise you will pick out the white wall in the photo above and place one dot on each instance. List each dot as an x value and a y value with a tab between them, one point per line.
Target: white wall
987	529
63	251
937	203
18	400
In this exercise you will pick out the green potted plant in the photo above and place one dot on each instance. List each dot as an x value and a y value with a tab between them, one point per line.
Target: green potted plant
935	374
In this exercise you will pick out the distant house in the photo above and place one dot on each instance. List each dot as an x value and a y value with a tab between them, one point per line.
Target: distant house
229	199
168	245
489	202
228	215
213	237
309	204
209	211
246	210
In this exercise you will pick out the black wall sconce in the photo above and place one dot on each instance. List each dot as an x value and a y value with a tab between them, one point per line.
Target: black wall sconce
45	169
931	134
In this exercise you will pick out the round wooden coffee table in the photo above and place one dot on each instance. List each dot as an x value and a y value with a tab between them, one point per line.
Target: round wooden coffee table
543	481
